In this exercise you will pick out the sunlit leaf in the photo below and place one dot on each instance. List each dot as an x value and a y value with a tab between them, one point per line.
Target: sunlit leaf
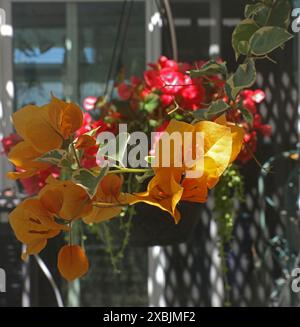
244	77
56	157
241	36
151	102
267	39
89	180
210	68
216	108
92	132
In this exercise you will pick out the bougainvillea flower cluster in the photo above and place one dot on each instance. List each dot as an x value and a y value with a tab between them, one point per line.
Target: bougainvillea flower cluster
55	150
172	83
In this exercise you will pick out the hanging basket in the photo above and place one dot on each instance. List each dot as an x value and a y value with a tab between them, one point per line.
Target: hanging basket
151	226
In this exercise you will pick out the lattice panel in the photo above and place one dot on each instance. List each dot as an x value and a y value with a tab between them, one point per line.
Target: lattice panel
193	271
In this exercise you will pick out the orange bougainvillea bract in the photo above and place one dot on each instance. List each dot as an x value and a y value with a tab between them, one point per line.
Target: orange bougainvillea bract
72	262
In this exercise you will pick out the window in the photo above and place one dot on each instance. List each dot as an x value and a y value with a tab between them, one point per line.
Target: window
66	48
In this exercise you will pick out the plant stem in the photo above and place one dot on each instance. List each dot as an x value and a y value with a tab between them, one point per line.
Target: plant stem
229	188
129	170
75	154
70	234
108	205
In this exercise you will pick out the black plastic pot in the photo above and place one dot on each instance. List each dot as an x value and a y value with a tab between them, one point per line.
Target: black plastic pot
151	226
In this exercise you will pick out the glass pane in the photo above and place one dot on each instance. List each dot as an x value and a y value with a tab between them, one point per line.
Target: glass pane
41	58
39	51
98	29
193	28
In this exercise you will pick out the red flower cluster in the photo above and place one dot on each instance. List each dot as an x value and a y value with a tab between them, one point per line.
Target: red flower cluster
88	158
9	142
250	100
169	80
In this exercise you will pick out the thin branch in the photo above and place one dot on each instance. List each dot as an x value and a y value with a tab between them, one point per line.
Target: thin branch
75	154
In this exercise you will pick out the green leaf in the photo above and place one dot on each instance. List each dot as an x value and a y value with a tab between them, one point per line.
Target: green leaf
268	2
247	115
92	132
209	69
253	9
280	14
267	39
146	175
56	157
228	90
151	102
244	77
243	47
262	16
149	159
115	149
88	180
200	114
216	108
241	34
153	123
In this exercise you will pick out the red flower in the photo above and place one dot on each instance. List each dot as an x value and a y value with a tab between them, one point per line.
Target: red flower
10	141
167	100
125	91
164	62
258	96
193	94
88	160
251	98
89	103
135	81
249	147
86	125
153	80
266	130
31	185
34	184
184	67
102	126
249	104
145	93
173	81
89	154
